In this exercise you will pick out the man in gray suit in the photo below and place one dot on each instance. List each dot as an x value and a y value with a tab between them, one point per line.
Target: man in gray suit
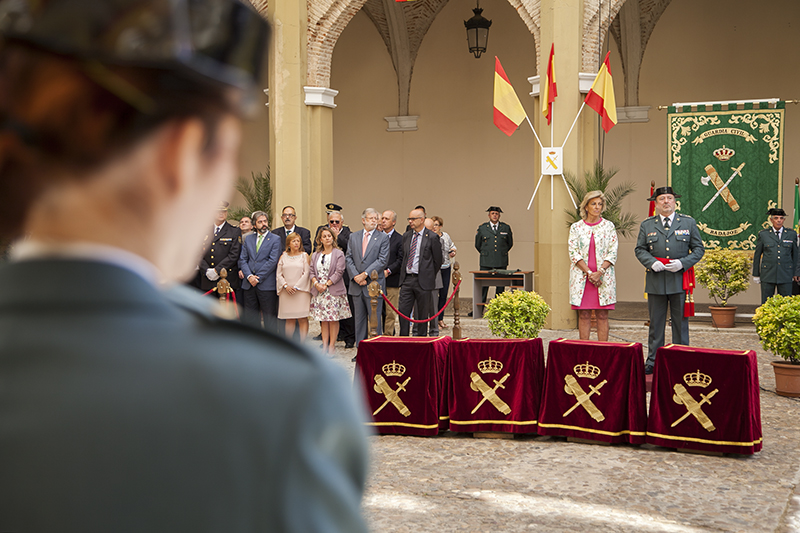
775	257
367	250
669	244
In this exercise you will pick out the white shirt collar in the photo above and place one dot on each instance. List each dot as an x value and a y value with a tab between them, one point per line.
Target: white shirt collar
290	230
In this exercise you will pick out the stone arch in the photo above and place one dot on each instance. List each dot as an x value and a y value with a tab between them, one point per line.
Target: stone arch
597	18
326	21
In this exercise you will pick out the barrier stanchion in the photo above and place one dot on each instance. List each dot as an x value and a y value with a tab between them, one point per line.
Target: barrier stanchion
456	302
374	292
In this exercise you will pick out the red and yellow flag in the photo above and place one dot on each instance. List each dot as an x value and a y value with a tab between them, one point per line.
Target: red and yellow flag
508	111
549	89
601	96
652	210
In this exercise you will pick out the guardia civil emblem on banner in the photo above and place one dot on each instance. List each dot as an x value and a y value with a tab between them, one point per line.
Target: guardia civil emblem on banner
728	168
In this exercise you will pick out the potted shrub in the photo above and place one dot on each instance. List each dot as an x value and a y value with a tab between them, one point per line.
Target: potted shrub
778	325
516	314
725	273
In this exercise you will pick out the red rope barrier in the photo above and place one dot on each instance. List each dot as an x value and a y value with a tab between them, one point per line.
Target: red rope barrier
431	318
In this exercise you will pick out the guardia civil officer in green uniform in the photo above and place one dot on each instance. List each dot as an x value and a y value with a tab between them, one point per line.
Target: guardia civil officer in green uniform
493	240
125	406
775	260
669	243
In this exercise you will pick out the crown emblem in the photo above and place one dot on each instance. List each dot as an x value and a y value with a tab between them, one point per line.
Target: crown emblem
394	369
586	371
697	379
490	366
724	153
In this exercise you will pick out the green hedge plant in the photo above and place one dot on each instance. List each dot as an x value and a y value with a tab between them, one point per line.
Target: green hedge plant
516	314
778	324
725	273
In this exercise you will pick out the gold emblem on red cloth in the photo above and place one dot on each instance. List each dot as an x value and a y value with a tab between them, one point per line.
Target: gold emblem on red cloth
393	369
572	387
489	366
693	407
586	371
392	395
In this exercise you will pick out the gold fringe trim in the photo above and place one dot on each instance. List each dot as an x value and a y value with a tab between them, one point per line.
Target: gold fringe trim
705	441
598	431
509	422
402	424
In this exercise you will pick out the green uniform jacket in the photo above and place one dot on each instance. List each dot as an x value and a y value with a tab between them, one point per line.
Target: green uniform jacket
682	241
775	261
124	408
494	246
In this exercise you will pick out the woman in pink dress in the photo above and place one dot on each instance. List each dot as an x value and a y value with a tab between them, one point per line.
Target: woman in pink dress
593	252
294	286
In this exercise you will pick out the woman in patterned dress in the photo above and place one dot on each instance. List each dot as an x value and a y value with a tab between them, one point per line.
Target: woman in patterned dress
329	302
294	286
593	251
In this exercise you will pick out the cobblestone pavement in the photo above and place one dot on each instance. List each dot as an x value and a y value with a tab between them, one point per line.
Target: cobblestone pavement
454	482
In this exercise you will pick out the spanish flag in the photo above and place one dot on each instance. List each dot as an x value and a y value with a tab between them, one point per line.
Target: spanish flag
601	96
508	111
549	89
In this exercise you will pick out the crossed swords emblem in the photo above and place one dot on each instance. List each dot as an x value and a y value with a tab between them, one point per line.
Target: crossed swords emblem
489	393
693	407
392	395
722	188
574	388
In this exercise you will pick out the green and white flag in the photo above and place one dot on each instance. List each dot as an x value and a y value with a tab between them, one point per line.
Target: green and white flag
727	165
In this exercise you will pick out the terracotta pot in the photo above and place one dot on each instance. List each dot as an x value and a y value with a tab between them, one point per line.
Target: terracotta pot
787	379
723	317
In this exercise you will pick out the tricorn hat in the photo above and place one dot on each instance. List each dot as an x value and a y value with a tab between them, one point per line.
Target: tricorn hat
776	212
494	208
662	190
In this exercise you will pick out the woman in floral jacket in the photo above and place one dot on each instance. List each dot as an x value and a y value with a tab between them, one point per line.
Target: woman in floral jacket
593	252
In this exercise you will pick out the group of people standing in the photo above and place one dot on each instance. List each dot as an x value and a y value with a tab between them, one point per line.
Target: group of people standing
280	283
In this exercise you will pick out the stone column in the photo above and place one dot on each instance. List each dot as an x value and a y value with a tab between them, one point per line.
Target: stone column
562	24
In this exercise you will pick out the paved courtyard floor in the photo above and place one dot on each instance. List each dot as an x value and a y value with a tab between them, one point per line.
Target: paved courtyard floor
455	482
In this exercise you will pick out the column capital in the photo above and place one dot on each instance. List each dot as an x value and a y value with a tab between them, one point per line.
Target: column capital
320	96
404	123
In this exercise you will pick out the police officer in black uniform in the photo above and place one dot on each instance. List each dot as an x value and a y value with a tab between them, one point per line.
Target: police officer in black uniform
493	240
221	249
775	259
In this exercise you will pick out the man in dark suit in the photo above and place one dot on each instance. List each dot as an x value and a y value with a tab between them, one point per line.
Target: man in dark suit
668	245
422	253
493	240
220	250
289	216
259	261
775	258
368	250
392	272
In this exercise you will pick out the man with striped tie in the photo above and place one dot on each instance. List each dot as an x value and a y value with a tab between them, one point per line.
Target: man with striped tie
422	254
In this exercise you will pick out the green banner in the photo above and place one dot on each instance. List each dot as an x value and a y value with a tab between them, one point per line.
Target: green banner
728	168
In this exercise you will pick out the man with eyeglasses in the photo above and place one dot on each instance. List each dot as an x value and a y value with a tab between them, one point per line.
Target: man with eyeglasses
422	253
289	217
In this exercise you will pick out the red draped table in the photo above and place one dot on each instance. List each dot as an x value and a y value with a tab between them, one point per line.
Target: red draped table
404	383
706	400
594	390
495	385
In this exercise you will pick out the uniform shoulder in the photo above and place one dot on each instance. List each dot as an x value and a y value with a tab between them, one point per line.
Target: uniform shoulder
684	215
648	219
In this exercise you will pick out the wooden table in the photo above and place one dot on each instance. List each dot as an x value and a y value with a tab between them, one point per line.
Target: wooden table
495	385
404	383
522	279
595	391
705	400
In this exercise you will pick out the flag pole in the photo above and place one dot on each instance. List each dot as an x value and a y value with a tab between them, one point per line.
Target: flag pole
534	191
534	132
573	124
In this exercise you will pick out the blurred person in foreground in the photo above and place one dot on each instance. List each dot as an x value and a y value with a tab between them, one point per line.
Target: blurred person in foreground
127	406
593	248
